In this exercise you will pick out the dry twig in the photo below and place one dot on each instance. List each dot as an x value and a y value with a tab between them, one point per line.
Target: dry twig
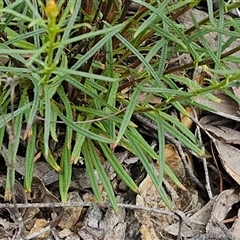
208	186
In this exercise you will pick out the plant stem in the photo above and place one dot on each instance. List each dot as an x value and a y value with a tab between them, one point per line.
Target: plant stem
51	11
212	88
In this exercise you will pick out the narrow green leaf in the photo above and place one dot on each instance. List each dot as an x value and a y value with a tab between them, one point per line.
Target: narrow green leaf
75	5
161	149
99	113
37	32
92	178
128	114
94	49
13	145
163	90
211	12
207	48
35	104
57	80
2	133
53	125
9	116
47	119
152	19
69	115
36	29
66	173
18	6
173	26
151	172
182	138
50	159
15	70
29	159
141	142
35	12
180	126
113	87
140	57
102	175
88	92
118	167
80	138
167	35
82	130
14	13
67	10
14	36
92	34
61	71
3	111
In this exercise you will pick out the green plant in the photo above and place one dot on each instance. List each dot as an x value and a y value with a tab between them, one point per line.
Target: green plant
67	64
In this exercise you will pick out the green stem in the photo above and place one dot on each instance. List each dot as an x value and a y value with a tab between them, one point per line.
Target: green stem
52	32
223	84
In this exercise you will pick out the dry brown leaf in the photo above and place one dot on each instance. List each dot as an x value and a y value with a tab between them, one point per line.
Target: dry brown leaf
174	161
148	196
145	233
186	121
229	157
221	208
215	120
42	170
98	226
71	214
236	226
222	137
39	225
226	107
19	195
226	134
29	217
42	195
150	99
236	91
80	178
64	233
114	224
196	224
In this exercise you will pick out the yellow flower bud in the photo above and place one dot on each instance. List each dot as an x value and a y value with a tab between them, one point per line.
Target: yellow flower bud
51	9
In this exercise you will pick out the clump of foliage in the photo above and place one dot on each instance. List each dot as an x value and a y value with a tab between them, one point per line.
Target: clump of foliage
64	67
